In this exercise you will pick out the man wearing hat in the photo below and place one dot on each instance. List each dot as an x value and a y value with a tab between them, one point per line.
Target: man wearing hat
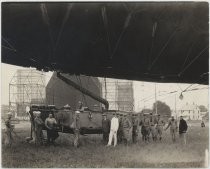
173	128
38	123
135	130
9	129
127	125
76	127
105	128
52	134
113	130
159	126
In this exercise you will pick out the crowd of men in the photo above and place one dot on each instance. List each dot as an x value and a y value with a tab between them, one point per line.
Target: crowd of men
123	129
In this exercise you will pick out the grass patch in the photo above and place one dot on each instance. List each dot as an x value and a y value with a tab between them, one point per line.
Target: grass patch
93	153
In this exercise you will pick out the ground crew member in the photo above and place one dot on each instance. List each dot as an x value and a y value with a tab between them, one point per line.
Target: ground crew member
152	127
183	129
52	134
9	129
80	106
76	127
135	130
145	129
120	130
113	130
173	128
127	125
38	123
105	128
159	126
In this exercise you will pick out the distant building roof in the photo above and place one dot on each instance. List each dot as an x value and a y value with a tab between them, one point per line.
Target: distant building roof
188	106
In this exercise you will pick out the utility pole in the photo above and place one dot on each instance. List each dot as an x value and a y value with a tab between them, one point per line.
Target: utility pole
105	88
175	106
155	100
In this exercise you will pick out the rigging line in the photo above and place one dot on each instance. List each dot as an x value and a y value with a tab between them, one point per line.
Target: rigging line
126	7
63	24
80	84
47	22
163	11
105	86
187	87
126	23
9	48
164	47
167	97
179	87
193	60
105	20
154	28
192	85
161	95
8	44
83	93
188	54
23	56
196	86
197	89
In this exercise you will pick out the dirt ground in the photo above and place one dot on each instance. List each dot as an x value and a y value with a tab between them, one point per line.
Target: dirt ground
93	153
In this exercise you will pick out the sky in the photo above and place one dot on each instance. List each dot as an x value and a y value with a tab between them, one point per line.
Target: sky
144	92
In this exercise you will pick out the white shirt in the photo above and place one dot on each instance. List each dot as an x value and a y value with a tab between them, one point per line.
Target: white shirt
114	124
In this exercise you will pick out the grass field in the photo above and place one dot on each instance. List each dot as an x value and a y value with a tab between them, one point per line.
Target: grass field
92	153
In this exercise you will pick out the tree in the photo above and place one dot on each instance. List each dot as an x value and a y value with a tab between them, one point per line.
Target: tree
202	108
162	108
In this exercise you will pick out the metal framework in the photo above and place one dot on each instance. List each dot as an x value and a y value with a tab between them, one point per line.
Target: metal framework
119	94
26	87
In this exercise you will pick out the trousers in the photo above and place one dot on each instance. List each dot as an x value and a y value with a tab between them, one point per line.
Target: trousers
112	134
182	136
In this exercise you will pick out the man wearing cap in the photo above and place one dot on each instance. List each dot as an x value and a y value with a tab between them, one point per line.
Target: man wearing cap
113	130
127	125
183	129
135	121
38	123
173	128
76	127
105	128
145	129
159	126
9	129
50	124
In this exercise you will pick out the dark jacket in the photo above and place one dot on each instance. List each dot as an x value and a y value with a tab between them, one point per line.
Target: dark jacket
182	126
106	125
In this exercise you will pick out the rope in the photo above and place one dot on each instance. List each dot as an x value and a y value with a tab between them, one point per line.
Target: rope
11	47
80	84
202	51
63	24
188	54
105	20
163	48
127	20
47	22
8	48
